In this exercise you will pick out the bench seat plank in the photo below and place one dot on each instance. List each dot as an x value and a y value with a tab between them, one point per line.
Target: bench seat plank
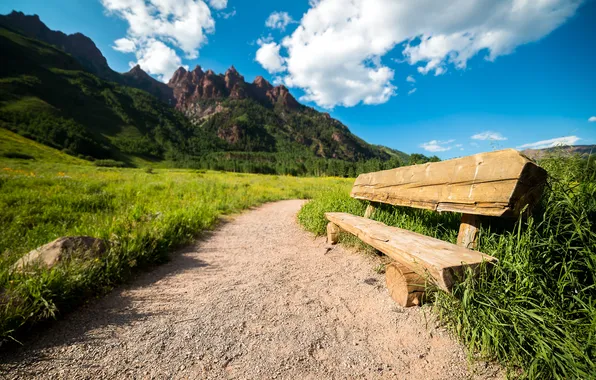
443	261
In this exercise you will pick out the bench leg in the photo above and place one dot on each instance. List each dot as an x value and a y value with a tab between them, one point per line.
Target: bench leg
405	286
468	231
369	210
332	233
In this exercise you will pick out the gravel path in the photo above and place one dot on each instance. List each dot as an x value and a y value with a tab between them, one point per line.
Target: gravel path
259	298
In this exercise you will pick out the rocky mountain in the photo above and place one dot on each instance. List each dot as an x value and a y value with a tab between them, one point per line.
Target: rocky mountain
84	50
190	87
257	116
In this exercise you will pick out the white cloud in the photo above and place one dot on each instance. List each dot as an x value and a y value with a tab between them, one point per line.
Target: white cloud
335	54
559	141
218	4
488	135
124	45
411	79
412	91
227	15
279	20
181	24
437	145
268	56
592	119
158	58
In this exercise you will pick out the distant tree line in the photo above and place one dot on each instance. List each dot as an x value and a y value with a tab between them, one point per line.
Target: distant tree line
287	164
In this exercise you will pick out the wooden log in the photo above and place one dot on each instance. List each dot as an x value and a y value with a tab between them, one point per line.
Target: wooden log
498	183
405	286
369	210
442	261
332	233
468	231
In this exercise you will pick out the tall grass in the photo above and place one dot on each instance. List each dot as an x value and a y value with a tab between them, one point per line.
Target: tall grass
144	214
536	310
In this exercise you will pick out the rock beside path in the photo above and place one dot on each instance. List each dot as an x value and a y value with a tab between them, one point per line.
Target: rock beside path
61	249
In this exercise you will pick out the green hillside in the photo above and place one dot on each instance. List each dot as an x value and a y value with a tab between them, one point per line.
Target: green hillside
17	147
46	95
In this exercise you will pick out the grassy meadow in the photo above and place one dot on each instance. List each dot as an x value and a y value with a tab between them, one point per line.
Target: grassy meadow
145	213
536	310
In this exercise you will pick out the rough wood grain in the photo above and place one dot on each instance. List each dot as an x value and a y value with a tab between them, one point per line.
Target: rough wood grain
405	286
496	184
443	261
332	233
468	231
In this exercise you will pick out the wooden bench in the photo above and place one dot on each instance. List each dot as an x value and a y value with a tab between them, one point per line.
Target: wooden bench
497	184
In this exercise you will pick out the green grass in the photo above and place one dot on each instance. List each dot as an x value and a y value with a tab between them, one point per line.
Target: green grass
11	143
536	310
144	213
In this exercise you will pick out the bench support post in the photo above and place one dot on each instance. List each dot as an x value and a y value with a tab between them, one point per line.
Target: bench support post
369	210
404	285
332	233
468	231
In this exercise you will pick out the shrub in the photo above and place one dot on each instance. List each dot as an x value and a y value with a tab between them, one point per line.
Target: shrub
21	156
109	163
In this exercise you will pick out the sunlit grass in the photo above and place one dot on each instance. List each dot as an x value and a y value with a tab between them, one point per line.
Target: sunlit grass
145	214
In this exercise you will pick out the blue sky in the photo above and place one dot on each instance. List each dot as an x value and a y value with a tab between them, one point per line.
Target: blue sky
537	84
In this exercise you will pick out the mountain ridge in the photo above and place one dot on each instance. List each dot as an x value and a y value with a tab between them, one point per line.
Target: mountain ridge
84	50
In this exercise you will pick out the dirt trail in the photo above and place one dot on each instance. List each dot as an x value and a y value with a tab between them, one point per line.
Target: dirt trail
259	298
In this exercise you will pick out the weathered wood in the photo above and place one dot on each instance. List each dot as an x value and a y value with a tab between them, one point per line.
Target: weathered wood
332	233
405	286
443	261
468	231
498	183
369	211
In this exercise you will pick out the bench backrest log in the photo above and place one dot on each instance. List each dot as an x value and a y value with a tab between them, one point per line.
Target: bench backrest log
497	183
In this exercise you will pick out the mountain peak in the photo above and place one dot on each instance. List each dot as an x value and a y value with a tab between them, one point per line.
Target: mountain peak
198	70
189	89
81	47
261	82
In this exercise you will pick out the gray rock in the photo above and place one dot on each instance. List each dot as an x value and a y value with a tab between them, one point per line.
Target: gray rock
50	254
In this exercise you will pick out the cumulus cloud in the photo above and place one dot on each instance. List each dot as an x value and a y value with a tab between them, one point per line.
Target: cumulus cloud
218	4
559	141
412	91
279	20
157	27
437	145
158	58
592	119
124	45
410	79
488	135
335	54
268	56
